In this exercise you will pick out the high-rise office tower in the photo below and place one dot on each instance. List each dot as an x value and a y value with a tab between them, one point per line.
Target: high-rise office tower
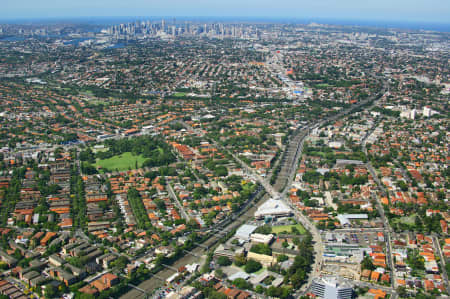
331	288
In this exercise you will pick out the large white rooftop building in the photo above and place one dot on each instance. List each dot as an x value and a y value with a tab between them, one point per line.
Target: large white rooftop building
273	208
245	231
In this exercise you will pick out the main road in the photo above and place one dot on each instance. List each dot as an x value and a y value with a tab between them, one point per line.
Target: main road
437	246
290	166
388	229
177	202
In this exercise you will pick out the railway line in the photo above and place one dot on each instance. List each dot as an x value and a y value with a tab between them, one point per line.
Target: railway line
278	190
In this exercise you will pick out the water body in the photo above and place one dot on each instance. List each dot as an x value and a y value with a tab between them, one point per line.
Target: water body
76	41
116	46
440	27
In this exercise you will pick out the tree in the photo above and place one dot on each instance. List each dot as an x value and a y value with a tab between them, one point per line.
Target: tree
121	262
252	266
367	263
138	209
278	292
240	260
50	291
402	185
401	291
88	168
298	278
415	261
421	295
219	273
216	295
418	222
265	229
160	204
259	289
4	266
282	257
311	176
223	261
221	171
447	267
261	249
295	230
242	284
361	290
192	224
87	155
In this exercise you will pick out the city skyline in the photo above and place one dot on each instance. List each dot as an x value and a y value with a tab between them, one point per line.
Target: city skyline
435	11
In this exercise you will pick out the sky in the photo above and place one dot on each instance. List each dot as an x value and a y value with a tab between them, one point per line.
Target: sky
433	11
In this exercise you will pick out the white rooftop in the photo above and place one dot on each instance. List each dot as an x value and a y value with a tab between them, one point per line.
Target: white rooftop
344	219
273	207
245	231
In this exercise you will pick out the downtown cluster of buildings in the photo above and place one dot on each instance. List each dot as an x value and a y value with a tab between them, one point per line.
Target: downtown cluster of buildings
172	29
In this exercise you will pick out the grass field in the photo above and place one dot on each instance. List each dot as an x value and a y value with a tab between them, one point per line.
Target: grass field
321	154
288	228
410	220
121	162
179	94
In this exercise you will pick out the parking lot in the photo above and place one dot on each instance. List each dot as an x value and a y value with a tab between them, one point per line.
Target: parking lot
363	239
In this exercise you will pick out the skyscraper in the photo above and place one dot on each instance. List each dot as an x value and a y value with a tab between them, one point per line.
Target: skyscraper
331	288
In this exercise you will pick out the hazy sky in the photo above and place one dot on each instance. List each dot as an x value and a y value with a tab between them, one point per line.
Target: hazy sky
393	10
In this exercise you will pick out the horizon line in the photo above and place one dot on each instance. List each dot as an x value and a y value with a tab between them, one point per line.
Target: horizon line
424	25
441	22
